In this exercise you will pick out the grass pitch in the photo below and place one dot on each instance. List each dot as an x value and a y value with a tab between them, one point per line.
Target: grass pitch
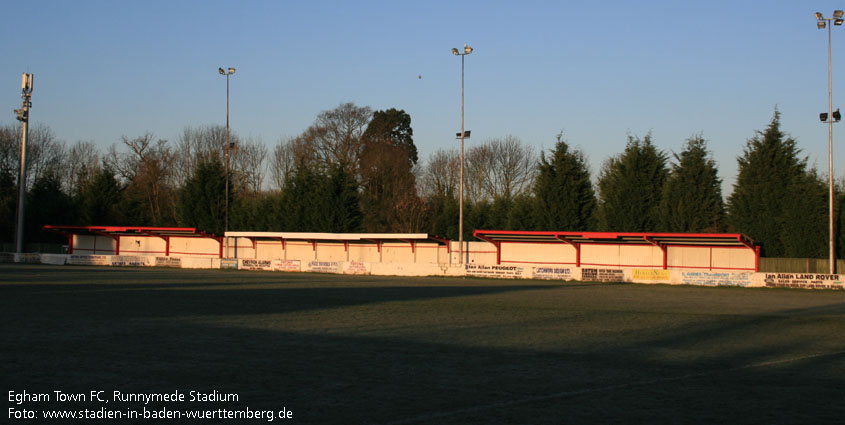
386	350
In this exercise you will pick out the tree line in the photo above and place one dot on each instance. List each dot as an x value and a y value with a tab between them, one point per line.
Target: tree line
357	170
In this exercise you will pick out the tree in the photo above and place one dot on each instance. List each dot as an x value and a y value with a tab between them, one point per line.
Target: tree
8	205
499	168
630	187
388	197
393	127
563	191
47	204
768	170
83	163
99	199
196	145
313	201
202	200
335	137
247	166
806	230
692	197
149	197
440	176
283	163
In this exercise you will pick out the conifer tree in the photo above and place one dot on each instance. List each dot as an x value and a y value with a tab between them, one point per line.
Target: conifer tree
202	202
692	197
768	171
631	186
563	191
99	198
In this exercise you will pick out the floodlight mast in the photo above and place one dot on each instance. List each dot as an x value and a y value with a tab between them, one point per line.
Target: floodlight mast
829	119
226	150
462	135
23	117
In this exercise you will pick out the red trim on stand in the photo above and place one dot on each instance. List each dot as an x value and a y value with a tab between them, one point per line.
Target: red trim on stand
575	245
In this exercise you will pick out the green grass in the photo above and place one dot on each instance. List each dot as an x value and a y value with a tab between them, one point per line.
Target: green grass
387	350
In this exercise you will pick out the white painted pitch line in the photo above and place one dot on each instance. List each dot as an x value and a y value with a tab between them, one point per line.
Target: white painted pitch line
565	394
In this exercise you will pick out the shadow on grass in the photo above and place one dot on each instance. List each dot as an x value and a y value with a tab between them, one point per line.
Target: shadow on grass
601	358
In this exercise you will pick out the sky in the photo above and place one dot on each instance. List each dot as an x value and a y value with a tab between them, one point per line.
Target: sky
595	71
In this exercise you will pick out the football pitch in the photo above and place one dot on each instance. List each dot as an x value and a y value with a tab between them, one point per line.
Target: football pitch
336	349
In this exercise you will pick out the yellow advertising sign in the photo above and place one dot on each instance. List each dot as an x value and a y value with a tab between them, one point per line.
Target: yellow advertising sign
650	274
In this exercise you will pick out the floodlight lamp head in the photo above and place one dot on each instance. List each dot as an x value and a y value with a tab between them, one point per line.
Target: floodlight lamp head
467	49
231	71
836	115
838	14
821	24
823	117
454	51
837	22
819	16
222	72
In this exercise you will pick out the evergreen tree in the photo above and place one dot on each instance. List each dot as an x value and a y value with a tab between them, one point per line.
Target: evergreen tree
524	213
443	215
202	201
564	195
342	212
805	214
692	197
47	204
630	188
315	202
768	170
388	196
8	206
99	198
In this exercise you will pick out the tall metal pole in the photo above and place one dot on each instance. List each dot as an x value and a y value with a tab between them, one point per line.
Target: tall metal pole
830	146
21	190
226	149
461	196
23	117
461	135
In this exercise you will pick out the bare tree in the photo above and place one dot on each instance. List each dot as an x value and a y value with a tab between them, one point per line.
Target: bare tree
478	167
514	168
440	177
82	162
283	163
499	168
147	168
44	154
335	137
247	162
9	151
199	144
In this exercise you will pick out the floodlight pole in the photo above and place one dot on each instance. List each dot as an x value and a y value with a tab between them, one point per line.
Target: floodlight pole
23	117
467	50
832	261
226	150
821	23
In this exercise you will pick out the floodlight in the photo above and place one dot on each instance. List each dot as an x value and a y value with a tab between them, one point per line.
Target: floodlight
467	49
823	117
837	22
231	70
222	72
836	115
821	24
819	16
837	14
454	51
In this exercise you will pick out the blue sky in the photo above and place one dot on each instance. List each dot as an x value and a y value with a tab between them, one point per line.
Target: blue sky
596	71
